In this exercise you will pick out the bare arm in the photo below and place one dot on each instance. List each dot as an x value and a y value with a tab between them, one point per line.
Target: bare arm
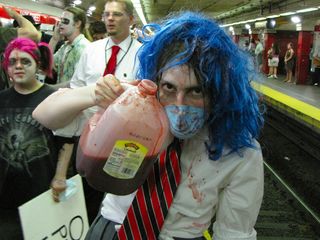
58	183
286	59
26	28
56	37
61	107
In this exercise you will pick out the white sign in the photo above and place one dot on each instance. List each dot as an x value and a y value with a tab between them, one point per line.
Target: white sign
44	219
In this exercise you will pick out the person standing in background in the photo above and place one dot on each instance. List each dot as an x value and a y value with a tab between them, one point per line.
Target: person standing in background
28	150
97	30
289	62
316	64
25	29
258	53
273	60
72	28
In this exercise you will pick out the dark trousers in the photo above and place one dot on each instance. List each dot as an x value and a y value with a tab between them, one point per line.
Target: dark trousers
316	76
10	227
103	229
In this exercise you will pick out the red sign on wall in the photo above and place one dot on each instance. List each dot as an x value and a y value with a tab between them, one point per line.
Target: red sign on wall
38	17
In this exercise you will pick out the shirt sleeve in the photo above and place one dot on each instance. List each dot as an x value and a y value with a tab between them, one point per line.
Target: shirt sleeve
79	76
239	203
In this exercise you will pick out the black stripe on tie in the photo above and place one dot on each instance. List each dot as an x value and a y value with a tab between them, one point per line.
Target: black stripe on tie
150	208
127	229
136	211
159	188
170	171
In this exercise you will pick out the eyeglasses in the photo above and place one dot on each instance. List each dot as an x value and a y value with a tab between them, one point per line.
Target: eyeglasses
65	21
114	14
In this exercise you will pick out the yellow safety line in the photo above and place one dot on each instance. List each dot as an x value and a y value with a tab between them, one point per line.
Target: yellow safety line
293	103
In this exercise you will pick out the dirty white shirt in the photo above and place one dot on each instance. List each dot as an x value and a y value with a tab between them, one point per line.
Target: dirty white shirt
231	189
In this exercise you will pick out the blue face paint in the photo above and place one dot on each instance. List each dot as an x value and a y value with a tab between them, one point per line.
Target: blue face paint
185	121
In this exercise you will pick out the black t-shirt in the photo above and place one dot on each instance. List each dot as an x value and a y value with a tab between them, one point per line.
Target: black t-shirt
28	152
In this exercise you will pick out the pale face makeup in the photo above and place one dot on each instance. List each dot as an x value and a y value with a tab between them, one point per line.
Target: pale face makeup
22	68
179	86
66	25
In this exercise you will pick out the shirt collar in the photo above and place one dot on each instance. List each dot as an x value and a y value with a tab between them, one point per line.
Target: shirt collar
77	39
124	45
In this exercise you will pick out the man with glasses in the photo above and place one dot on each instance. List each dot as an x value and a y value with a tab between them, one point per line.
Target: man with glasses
117	16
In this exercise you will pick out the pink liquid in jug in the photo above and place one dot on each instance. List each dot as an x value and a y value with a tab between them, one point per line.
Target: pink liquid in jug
118	148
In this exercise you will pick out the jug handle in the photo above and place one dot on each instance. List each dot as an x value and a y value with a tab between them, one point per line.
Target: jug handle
93	121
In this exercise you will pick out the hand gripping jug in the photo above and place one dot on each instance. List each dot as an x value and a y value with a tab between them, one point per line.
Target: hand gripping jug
118	147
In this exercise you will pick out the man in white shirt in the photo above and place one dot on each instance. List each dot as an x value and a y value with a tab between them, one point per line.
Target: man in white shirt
200	83
118	16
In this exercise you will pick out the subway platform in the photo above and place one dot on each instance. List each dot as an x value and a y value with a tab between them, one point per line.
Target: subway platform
291	149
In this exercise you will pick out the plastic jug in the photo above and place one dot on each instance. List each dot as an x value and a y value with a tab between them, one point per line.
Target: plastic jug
118	147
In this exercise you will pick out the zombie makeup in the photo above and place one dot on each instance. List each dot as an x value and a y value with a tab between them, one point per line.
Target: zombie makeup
22	67
65	21
66	25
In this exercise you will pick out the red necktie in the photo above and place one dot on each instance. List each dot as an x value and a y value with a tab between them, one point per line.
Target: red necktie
112	63
150	206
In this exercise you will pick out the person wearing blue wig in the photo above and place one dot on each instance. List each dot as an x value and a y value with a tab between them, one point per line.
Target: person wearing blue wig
203	83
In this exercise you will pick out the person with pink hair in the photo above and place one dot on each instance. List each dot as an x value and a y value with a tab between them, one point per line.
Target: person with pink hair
28	150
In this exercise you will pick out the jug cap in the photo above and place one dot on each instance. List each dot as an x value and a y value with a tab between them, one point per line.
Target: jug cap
148	87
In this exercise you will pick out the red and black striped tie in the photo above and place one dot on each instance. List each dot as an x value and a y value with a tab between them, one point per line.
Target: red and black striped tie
149	208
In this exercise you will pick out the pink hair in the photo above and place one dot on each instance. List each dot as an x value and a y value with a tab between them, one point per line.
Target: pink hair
40	52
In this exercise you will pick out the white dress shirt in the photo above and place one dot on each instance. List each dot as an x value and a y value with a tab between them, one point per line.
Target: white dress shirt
94	59
91	67
231	189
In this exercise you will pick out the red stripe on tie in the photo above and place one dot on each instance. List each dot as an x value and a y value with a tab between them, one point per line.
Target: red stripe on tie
145	216
122	234
156	206
176	167
133	225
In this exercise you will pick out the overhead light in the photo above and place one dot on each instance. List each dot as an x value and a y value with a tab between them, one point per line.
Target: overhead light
138	8
307	10
231	29
247	26
295	19
287	13
92	8
273	16
77	2
260	19
272	23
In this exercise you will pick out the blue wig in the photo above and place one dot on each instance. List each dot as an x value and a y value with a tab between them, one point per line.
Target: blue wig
222	69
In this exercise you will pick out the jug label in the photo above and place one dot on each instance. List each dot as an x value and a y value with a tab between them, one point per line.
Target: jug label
125	159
